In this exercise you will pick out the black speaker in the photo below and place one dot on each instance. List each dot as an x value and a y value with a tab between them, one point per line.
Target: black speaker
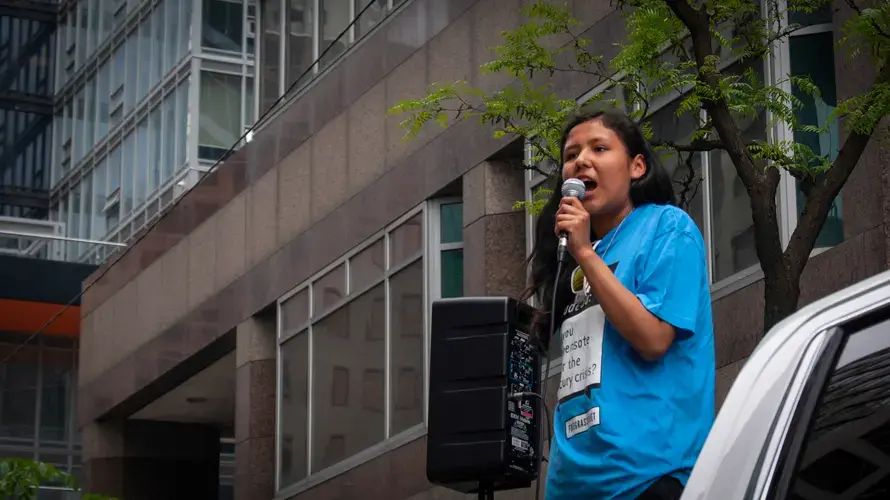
479	438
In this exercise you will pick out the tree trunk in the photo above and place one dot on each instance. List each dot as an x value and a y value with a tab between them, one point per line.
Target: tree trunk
781	294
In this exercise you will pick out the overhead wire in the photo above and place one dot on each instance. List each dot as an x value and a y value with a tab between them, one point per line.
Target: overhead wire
222	159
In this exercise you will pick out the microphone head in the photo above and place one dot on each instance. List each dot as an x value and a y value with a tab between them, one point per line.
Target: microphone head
573	187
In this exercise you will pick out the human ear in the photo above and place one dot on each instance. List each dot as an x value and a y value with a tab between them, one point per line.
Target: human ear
637	167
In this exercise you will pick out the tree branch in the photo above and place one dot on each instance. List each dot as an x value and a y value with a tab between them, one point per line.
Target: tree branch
698	146
880	31
760	184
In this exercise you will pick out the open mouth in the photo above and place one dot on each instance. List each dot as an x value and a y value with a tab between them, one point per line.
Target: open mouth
589	185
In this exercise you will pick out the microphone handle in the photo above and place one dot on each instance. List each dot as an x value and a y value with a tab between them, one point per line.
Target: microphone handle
561	247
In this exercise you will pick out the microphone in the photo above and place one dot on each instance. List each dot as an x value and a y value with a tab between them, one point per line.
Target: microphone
571	187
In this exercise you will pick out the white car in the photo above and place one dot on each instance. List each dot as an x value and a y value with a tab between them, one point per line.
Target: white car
809	415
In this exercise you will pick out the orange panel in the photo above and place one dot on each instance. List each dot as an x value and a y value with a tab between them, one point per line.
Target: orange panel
26	316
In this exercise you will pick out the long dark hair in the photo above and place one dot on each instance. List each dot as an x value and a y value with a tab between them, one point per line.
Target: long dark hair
654	186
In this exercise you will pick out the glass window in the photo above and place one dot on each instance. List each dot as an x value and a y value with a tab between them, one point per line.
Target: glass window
452	255
114	169
370	18
78	127
107	19
406	241
83	28
295	311
130	86
118	68
270	64
185	26
90	115
154	157
684	171
57	386
300	41
451	223
406	348
329	290
223	25
127	166
86	200
73	227
172	52
350	337
59	132
452	264
348	360
811	55
103	92
334	20
18	391
168	163
294	407
145	43
100	194
849	437
140	174
732	228
220	107
94	27
249	117
157	44
183	121
366	267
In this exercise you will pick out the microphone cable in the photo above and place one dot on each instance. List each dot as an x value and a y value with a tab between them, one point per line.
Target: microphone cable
222	158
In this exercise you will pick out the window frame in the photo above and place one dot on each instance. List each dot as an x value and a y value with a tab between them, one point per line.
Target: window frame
429	211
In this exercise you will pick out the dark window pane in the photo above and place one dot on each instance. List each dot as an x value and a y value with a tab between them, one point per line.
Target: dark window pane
334	20
452	274
294	408
812	55
850	432
270	63
223	26
369	18
18	391
300	21
58	387
406	347
221	124
451	222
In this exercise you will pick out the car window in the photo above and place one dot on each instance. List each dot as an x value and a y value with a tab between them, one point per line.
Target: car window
846	450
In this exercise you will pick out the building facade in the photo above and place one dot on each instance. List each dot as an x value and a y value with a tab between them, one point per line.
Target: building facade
285	298
149	94
27	49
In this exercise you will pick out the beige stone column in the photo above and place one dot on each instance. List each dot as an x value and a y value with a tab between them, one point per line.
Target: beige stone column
494	233
255	383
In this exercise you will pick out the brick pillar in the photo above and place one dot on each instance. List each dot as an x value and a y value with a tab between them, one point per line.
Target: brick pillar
147	460
255	409
494	233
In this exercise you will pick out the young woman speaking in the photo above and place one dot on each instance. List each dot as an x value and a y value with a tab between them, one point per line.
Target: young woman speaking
633	320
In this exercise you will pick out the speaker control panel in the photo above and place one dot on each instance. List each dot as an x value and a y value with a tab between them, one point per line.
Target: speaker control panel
521	412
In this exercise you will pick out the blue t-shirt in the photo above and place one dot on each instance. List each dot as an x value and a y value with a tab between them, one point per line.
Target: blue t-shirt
622	422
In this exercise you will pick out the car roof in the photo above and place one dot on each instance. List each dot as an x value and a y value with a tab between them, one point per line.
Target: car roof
741	434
